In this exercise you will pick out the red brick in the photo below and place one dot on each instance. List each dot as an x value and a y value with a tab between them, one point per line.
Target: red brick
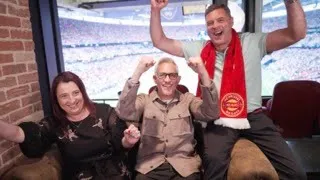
21	34
3	8
10	154
6	167
6	58
17	91
2	96
11	1
25	23
10	21
28	45
23	159
20	114
27	78
11	45
18	11
23	57
35	87
8	82
23	2
5	145
4	119
9	107
4	33
31	99
32	67
37	107
14	69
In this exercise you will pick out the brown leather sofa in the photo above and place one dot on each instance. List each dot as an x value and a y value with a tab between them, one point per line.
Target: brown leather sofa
48	168
247	163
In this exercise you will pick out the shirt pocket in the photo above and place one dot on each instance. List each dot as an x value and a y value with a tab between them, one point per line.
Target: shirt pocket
152	125
181	123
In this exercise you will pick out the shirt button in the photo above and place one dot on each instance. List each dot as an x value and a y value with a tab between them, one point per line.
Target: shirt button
154	117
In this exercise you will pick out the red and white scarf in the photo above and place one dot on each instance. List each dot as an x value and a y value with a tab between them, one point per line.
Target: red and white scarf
233	97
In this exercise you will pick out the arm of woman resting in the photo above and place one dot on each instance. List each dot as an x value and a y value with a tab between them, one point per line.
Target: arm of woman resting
34	138
11	132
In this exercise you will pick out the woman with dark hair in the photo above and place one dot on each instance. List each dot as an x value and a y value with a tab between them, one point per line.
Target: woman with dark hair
90	137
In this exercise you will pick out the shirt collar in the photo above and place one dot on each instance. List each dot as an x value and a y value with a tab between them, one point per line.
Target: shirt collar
154	95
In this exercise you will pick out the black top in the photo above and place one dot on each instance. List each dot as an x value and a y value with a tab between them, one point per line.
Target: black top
89	148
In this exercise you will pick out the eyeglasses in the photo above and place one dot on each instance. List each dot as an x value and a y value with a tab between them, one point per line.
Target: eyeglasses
172	76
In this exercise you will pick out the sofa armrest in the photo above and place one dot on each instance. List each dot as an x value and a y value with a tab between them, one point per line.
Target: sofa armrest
48	167
249	163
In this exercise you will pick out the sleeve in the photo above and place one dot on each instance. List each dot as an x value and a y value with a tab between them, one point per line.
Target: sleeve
207	108
113	124
263	43
255	43
38	137
192	48
130	105
116	129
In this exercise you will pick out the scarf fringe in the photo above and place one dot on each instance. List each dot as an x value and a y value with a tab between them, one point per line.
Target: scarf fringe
234	123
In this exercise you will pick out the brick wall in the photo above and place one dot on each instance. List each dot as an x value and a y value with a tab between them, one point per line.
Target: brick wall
20	98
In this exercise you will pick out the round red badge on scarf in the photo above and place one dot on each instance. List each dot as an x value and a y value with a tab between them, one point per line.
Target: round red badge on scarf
232	104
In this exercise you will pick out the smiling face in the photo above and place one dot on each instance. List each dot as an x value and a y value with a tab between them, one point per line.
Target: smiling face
219	27
70	98
166	77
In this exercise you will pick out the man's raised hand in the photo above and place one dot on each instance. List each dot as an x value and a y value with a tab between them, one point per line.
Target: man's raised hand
158	4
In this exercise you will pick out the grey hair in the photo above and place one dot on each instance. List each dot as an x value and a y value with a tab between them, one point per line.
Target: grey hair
213	7
165	60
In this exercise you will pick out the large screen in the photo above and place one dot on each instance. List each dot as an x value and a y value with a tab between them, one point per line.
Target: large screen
104	48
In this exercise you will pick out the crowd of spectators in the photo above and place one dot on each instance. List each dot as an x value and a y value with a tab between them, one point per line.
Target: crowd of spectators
106	53
290	64
104	79
273	23
75	32
105	68
278	5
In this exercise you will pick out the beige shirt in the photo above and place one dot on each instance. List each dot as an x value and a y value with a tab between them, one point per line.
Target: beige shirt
167	129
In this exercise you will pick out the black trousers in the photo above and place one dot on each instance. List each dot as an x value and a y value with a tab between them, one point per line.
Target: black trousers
166	172
220	140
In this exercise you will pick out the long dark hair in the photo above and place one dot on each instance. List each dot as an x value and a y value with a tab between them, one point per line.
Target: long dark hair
58	112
